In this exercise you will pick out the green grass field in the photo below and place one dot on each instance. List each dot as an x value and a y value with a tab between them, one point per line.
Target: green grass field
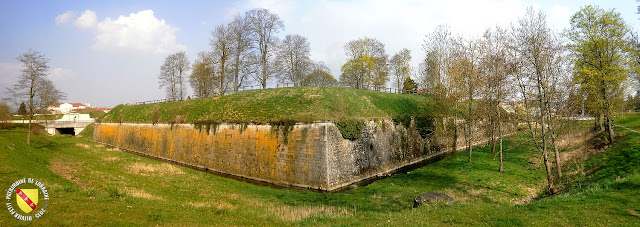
38	117
93	185
300	104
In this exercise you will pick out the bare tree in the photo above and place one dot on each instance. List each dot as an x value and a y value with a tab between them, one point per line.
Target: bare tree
173	75
293	58
240	52
466	82
496	65
434	68
540	57
222	45
31	82
265	26
400	67
202	76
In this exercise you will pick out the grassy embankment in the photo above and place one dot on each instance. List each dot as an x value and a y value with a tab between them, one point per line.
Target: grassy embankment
93	185
38	117
299	104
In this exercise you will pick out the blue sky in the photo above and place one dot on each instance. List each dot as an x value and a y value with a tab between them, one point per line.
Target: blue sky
110	52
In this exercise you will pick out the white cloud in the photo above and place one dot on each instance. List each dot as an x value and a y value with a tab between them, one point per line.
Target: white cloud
65	17
398	24
61	74
87	20
140	31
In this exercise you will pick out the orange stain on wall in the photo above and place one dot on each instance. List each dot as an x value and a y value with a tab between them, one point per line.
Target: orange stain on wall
256	151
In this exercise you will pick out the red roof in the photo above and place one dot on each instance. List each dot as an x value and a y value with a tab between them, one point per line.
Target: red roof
75	104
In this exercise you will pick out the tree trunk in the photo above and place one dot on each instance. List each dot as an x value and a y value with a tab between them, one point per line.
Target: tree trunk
500	154
500	136
557	154
455	133
610	128
469	129
31	95
555	146
493	145
598	123
545	159
29	133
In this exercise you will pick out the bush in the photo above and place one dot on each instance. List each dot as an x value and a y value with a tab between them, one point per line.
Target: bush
350	129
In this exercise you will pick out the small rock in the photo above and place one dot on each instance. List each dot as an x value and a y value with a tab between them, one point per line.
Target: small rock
432	197
353	186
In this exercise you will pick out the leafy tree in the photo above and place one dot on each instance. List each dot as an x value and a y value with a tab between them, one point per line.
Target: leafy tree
5	112
173	75
202	78
22	110
357	73
367	64
409	86
599	43
320	76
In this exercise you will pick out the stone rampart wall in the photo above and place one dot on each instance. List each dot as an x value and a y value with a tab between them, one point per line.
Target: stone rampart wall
310	155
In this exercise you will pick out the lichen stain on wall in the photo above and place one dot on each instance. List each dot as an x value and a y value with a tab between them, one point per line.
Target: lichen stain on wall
313	155
257	151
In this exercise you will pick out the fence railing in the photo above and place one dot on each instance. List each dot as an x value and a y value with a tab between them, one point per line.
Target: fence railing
283	85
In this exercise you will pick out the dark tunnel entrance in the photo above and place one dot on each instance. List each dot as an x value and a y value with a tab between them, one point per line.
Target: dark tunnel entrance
66	131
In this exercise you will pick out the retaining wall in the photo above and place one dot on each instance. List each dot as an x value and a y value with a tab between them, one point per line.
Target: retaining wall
310	155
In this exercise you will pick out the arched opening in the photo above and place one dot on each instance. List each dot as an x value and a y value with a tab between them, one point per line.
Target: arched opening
66	131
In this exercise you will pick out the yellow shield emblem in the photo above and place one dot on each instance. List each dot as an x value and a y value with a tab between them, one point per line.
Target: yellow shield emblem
27	199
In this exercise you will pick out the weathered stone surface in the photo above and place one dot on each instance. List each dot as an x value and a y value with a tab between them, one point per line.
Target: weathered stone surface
312	155
432	197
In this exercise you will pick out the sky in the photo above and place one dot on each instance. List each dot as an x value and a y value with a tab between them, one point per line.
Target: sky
109	52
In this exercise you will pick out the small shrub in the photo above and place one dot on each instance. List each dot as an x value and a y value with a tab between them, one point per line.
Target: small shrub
7	125
115	193
350	129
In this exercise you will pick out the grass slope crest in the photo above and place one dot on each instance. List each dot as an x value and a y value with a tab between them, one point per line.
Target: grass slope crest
298	104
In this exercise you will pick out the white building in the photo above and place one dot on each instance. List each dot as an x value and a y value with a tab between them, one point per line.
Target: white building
65	108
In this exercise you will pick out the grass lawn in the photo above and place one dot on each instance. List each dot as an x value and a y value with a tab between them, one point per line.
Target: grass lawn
39	117
300	104
93	185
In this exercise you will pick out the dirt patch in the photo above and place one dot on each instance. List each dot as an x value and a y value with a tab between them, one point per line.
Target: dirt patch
155	169
530	194
297	213
83	145
68	170
110	159
218	204
475	192
458	196
138	193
